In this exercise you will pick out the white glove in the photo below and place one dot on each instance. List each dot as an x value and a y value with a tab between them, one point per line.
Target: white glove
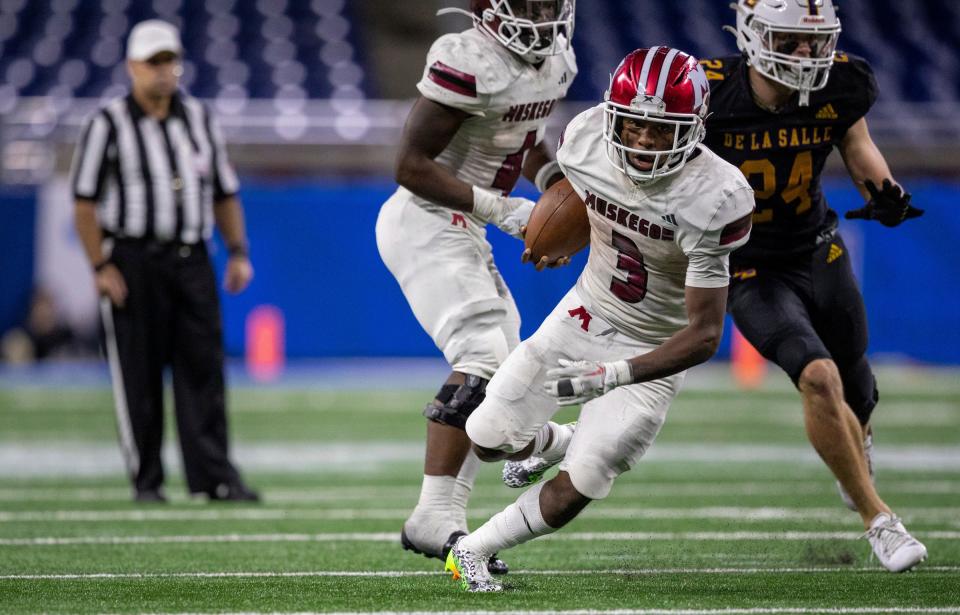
507	213
577	382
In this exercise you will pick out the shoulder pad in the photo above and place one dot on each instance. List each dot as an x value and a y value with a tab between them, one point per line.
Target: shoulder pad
852	78
718	69
476	56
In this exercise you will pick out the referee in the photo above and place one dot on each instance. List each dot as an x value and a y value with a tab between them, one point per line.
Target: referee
150	178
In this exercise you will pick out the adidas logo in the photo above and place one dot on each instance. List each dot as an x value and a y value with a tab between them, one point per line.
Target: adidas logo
563	78
835	253
827	112
669	219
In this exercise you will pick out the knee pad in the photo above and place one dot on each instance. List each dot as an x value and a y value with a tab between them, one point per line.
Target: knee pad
457	402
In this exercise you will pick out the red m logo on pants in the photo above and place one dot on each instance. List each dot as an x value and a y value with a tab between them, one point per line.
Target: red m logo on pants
459	219
584	316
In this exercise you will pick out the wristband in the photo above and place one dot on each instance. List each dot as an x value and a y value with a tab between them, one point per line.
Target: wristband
623	371
237	250
545	173
485	204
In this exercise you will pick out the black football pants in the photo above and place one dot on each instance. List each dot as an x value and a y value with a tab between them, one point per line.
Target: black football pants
806	309
171	318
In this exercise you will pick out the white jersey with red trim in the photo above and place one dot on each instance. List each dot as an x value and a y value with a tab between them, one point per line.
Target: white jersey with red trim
509	99
648	242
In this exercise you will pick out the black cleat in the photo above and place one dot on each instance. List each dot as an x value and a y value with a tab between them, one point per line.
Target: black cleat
495	565
153	496
233	492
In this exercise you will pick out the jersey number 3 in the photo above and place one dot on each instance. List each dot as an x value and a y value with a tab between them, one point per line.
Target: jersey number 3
629	259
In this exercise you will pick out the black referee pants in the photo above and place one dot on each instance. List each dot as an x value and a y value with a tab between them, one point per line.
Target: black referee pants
171	318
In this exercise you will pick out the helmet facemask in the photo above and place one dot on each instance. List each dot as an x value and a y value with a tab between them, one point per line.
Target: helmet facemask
687	131
532	29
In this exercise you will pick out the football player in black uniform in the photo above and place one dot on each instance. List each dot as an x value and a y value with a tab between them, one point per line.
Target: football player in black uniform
778	110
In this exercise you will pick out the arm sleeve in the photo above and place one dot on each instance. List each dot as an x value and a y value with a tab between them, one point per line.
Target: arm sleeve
89	166
458	74
225	182
709	257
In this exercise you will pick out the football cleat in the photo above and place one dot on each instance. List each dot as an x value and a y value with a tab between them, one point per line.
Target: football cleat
868	454
896	549
523	473
470	569
495	565
527	471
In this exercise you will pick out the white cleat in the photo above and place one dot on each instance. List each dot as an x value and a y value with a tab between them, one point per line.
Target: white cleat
527	471
523	473
896	549
469	568
868	455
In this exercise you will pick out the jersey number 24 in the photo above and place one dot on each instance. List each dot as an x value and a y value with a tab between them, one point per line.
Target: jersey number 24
798	186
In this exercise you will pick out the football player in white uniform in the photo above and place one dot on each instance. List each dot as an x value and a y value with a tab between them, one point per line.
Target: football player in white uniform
664	212
486	94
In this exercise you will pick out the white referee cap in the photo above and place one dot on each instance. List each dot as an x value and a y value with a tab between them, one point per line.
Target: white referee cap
150	37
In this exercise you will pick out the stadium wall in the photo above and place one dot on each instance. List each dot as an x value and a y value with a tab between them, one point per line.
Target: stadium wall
316	258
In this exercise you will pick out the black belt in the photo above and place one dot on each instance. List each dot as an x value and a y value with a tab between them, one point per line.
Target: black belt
154	245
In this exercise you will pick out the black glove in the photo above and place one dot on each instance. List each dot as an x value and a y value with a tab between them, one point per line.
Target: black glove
889	205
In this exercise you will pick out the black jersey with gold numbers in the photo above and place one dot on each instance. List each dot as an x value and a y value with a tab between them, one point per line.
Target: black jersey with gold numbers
782	154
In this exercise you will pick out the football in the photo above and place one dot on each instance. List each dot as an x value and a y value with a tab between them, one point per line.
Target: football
558	225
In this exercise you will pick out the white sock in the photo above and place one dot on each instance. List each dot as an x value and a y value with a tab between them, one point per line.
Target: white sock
435	494
558	437
462	489
515	524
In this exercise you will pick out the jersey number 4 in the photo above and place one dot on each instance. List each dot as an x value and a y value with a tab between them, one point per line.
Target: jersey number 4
629	259
798	186
509	171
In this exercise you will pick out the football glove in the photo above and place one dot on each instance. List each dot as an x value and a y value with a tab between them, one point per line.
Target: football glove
889	205
577	382
509	214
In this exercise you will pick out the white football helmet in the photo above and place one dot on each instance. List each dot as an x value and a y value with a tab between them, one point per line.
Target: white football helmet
771	31
532	29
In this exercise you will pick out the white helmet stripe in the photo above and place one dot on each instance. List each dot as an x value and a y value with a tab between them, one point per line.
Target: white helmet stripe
645	71
665	72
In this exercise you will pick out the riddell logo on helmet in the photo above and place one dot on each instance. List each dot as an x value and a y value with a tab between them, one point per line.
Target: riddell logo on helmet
813	19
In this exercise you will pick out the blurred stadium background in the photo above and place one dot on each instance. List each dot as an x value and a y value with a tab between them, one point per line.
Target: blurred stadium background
313	95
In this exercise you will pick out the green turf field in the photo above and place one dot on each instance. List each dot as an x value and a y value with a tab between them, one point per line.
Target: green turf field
730	513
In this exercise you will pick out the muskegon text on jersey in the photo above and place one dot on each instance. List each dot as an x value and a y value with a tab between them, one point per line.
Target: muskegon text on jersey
625	217
529	111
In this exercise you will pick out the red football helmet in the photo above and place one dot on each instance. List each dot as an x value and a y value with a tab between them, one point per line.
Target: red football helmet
533	29
663	86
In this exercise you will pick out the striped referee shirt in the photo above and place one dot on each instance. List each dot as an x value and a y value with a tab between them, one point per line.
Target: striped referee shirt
153	179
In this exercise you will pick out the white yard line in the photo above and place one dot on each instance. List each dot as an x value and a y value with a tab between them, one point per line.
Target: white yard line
752	611
391	537
76	458
630	486
944	514
432	573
